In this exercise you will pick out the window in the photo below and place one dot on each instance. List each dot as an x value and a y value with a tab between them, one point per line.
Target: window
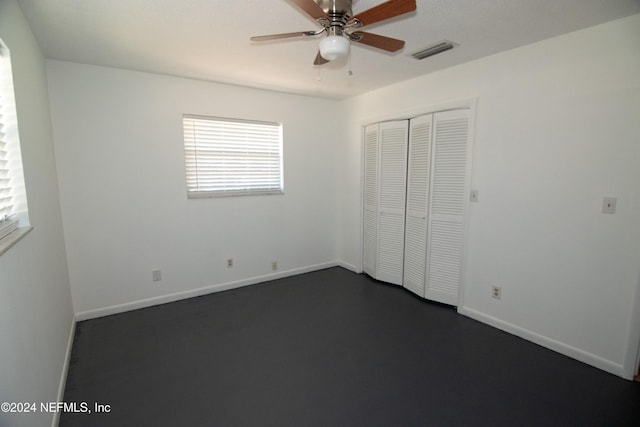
14	219
231	157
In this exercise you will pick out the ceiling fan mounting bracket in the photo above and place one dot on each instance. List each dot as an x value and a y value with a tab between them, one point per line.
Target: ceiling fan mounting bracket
354	23
326	23
314	33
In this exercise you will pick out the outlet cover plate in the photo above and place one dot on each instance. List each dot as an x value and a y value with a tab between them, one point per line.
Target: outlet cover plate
609	205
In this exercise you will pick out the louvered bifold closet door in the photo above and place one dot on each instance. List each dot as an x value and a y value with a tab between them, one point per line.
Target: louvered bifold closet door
391	200
418	175
370	200
447	206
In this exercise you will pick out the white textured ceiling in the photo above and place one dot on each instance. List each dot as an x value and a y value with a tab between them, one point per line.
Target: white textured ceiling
209	39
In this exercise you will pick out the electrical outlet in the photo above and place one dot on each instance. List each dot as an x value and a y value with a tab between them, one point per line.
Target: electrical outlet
609	205
274	265
496	292
156	275
229	262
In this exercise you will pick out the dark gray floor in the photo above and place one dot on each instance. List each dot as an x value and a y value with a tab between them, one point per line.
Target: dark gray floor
329	348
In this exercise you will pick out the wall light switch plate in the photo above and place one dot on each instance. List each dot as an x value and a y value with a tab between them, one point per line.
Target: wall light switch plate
474	196
609	205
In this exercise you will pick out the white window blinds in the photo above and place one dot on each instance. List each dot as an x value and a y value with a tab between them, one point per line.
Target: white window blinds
231	157
13	198
6	204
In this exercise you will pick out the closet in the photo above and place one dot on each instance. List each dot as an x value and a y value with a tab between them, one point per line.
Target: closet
416	186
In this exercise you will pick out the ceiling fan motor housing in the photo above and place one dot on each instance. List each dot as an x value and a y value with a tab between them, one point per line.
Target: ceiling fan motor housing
336	7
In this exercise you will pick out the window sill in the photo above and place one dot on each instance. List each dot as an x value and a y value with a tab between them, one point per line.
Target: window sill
231	193
12	238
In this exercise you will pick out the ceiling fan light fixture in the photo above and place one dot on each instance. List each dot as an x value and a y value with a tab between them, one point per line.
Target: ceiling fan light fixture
334	47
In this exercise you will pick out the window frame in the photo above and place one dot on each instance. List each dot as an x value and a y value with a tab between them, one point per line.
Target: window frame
223	157
14	218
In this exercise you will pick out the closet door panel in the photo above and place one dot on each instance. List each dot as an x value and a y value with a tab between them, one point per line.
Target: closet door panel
390	247
391	202
418	178
370	200
444	260
447	206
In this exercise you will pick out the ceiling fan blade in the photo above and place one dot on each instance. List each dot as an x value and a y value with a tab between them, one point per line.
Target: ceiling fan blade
384	11
375	40
319	60
282	36
311	8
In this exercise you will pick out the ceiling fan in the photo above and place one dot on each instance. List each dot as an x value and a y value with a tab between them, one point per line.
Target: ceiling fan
342	27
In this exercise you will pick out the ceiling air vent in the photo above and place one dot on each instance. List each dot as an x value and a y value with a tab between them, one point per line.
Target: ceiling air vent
434	49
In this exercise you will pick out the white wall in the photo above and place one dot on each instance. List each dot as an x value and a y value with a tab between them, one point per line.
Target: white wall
556	129
36	314
119	148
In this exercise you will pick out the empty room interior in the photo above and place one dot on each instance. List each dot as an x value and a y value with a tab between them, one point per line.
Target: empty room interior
447	231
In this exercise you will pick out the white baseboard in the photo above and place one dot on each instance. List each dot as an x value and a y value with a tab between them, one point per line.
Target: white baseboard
349	267
128	306
550	343
65	371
